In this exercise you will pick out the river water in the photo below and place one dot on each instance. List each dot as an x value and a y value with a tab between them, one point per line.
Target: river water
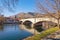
12	32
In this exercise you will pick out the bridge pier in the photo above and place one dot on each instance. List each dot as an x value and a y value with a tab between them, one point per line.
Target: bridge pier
34	31
45	25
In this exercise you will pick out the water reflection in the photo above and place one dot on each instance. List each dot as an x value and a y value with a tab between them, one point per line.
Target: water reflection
1	27
13	32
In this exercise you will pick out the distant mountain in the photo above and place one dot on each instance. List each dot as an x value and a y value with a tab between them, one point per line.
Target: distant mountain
30	15
24	15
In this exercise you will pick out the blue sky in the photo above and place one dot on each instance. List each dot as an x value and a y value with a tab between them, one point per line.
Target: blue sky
22	6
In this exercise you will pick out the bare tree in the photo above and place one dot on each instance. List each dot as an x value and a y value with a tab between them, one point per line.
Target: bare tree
54	5
8	4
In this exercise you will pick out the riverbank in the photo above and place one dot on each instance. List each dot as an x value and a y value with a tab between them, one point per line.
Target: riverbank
44	34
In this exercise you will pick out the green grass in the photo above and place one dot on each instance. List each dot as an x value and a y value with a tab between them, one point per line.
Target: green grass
44	34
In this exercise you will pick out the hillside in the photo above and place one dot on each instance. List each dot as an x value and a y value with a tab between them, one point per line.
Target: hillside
31	15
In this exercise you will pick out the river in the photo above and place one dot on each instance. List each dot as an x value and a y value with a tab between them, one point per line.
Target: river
12	32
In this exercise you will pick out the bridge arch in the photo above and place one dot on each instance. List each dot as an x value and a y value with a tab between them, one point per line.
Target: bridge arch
20	22
45	24
38	26
27	23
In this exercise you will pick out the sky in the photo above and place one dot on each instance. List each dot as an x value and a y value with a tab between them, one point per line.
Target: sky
22	6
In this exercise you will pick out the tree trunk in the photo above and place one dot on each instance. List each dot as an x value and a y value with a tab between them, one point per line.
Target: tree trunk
58	23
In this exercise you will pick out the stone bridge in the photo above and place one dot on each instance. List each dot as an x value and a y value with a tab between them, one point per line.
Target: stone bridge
39	20
35	20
